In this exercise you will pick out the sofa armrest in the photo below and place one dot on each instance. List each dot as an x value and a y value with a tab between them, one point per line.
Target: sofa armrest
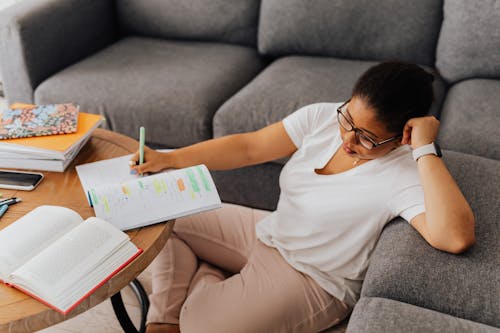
404	267
39	38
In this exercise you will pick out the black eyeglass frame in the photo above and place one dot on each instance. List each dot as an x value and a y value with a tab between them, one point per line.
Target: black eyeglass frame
358	132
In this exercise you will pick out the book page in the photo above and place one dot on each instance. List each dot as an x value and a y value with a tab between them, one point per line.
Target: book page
156	198
68	261
32	233
111	171
100	273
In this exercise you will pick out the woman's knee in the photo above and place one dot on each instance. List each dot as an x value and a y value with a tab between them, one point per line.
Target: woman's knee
199	314
184	223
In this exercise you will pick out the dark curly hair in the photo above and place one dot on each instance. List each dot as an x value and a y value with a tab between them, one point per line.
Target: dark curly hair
397	91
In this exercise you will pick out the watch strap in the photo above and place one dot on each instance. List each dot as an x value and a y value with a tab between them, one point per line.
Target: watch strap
431	148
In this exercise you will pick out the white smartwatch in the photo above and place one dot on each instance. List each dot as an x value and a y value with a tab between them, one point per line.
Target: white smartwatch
431	148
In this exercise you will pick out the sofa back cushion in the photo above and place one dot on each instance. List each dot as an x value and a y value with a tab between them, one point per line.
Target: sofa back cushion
470	118
469	43
230	21
356	29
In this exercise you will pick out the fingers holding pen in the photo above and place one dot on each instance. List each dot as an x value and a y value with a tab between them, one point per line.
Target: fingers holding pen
134	160
133	164
140	168
153	161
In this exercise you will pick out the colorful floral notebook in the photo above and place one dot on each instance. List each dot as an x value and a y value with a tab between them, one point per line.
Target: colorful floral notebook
38	120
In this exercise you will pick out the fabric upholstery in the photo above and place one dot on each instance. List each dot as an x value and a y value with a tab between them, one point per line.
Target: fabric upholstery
290	83
231	21
378	315
256	186
470	39
405	268
470	118
173	88
39	38
354	29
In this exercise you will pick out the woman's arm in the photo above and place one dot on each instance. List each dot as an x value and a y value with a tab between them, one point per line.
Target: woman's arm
448	221
227	152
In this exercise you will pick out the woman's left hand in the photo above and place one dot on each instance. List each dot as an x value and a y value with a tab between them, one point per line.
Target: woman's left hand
420	131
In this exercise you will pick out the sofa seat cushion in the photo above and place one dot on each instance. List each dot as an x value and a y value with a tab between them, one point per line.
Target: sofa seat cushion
406	268
470	118
172	88
288	84
379	315
255	186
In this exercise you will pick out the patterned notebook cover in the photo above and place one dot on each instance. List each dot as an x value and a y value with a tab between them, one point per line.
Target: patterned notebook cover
38	120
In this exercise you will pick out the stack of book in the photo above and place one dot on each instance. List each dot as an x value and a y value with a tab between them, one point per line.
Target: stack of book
43	137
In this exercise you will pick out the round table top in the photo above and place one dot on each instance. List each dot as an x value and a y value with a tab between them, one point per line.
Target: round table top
21	313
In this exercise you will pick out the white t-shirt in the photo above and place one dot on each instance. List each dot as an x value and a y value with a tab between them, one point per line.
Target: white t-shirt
326	226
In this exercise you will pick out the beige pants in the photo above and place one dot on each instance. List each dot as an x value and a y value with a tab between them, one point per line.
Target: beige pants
214	275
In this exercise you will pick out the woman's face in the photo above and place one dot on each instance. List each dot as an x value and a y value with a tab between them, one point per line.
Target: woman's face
364	118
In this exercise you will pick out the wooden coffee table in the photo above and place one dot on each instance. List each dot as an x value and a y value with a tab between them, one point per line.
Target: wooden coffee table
21	313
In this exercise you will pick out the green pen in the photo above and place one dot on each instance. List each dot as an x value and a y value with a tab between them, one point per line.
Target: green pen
142	140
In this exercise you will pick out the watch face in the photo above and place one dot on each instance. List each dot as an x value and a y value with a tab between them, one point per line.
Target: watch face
438	150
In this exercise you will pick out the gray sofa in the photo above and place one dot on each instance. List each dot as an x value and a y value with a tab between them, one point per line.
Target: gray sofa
190	70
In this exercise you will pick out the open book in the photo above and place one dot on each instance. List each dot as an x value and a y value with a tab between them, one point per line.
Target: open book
130	201
55	256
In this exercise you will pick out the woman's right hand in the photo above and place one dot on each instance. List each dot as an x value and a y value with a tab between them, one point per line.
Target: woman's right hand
154	161
420	131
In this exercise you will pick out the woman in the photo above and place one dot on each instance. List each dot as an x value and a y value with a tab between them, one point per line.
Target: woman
300	268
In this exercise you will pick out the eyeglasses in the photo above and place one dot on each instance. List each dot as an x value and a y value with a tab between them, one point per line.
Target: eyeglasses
361	136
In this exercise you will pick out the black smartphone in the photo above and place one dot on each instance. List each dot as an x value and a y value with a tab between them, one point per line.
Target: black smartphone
19	180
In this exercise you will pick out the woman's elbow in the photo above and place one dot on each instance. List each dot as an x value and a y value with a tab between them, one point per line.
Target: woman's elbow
462	245
465	240
460	240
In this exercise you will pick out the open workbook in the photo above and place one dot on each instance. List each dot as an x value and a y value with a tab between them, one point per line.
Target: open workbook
130	201
55	256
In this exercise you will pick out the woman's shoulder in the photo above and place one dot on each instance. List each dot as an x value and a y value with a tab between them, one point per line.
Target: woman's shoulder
401	163
319	113
327	108
312	117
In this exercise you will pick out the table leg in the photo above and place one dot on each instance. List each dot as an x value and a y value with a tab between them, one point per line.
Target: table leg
121	312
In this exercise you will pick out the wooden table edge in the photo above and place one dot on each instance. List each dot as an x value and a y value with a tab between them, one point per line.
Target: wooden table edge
47	317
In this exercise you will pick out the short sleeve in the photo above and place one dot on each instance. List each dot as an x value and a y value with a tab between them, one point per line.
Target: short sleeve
306	120
408	195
